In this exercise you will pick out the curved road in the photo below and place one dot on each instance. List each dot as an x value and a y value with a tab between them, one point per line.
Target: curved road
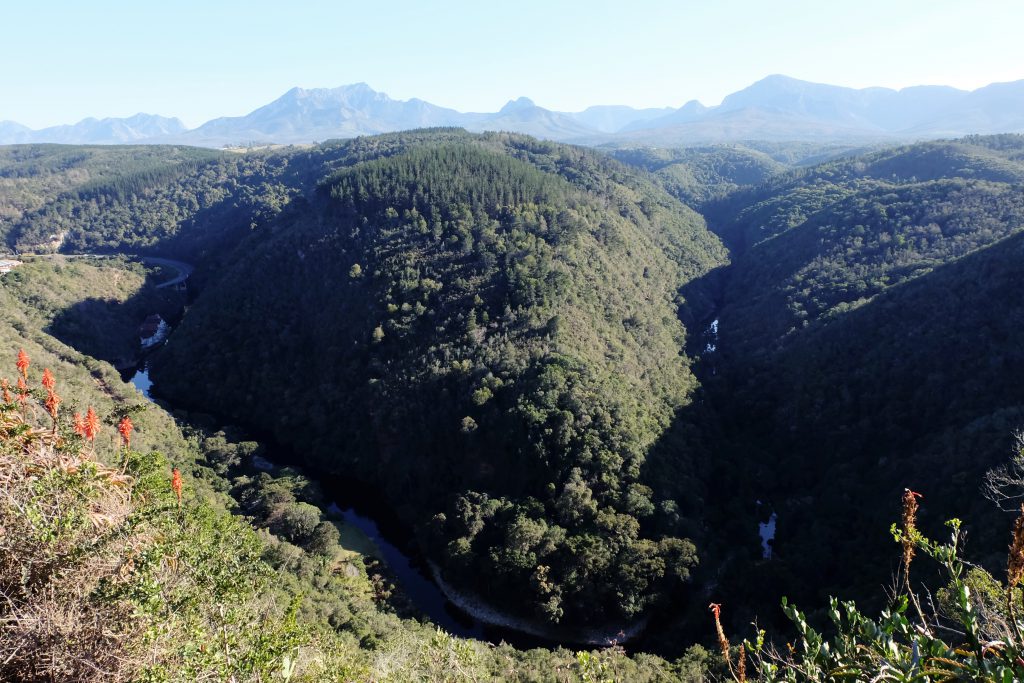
184	269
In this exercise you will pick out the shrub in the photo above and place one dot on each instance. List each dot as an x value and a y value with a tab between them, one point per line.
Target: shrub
104	577
973	637
297	521
324	540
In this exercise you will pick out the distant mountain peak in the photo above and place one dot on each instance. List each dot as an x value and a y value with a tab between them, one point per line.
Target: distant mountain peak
6	125
339	92
358	87
779	79
517	104
138	128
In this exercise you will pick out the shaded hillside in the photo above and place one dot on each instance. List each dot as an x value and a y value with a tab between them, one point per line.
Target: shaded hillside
918	388
40	295
752	215
94	305
485	328
847	253
186	202
868	343
484	331
142	207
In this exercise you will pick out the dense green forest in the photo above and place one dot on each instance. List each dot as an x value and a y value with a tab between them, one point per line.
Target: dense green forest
453	324
148	201
505	341
32	175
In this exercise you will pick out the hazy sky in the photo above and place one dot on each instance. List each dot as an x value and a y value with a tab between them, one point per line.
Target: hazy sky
63	61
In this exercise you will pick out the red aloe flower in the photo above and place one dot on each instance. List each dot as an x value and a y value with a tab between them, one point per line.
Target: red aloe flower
53	401
80	427
92	424
176	484
125	428
22	391
6	387
23	363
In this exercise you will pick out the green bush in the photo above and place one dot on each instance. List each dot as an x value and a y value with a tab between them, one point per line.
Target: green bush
296	521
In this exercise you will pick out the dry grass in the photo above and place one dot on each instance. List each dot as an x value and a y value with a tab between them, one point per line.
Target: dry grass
65	531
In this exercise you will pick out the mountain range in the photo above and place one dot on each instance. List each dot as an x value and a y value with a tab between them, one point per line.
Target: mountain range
775	108
133	129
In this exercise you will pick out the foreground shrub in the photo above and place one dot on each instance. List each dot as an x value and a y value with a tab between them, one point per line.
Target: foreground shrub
105	576
972	631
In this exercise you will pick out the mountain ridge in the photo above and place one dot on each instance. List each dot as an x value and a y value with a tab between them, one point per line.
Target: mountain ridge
110	130
776	107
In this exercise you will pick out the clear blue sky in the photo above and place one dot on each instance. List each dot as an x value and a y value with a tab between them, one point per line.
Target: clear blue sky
63	61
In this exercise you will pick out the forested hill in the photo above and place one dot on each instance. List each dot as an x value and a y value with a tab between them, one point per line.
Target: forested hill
754	214
249	574
485	328
868	342
817	242
696	175
179	201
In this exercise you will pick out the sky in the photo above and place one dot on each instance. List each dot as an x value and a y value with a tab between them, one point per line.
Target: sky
63	61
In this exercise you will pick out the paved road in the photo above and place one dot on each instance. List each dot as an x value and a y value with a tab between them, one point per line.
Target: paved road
184	269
